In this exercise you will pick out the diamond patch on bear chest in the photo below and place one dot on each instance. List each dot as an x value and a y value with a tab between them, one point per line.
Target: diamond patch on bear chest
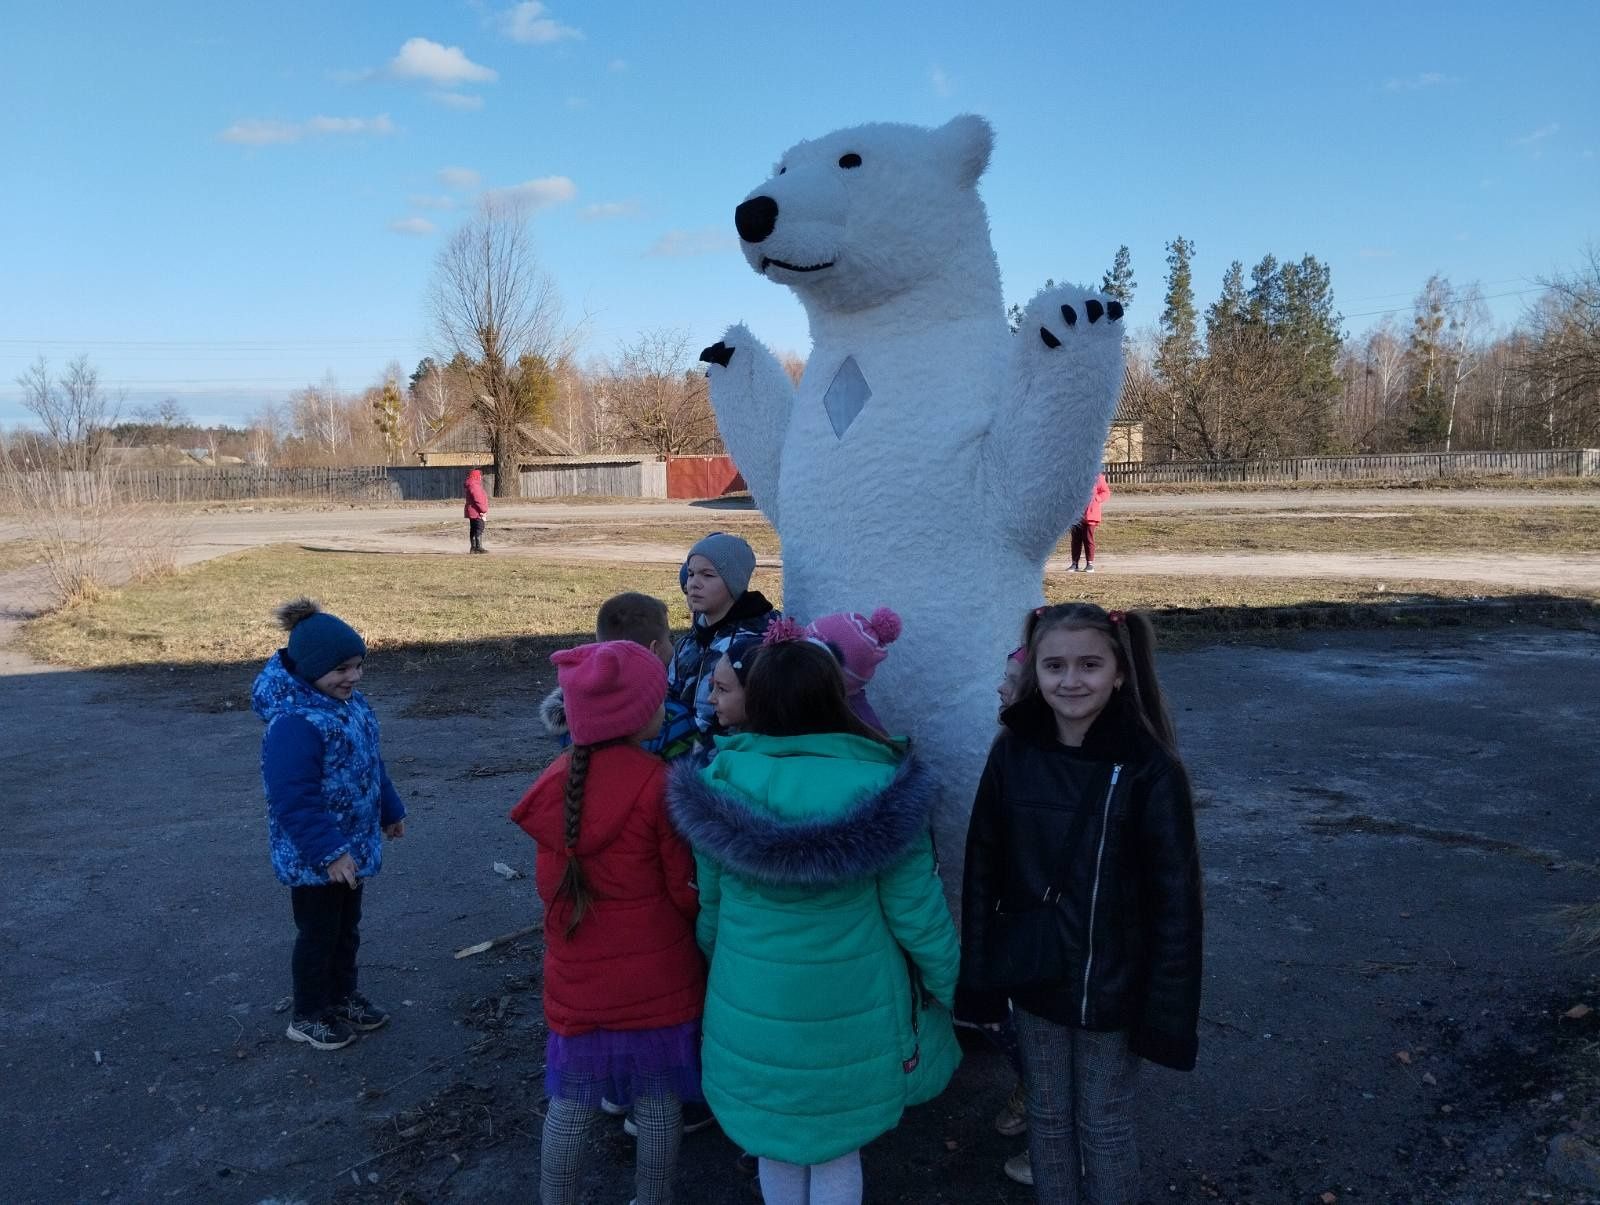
846	396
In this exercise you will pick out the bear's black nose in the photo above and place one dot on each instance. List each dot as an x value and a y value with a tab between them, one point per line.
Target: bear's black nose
756	218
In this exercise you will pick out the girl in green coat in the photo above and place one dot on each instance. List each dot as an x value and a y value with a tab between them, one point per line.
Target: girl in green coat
833	957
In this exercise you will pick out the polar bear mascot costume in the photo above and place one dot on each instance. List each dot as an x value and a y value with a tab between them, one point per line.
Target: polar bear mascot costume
929	460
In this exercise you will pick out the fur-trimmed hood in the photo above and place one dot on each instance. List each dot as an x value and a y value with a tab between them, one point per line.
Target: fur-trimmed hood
553	713
847	838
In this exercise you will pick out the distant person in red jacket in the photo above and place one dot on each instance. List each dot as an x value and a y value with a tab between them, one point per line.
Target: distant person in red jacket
624	980
1083	529
477	508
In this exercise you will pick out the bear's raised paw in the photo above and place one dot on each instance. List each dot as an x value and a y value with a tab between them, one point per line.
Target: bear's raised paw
1091	309
719	353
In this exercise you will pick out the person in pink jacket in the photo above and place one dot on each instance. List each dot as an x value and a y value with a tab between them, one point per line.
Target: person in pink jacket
477	508
1083	529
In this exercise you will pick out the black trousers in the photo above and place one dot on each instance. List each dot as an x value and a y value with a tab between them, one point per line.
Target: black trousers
474	531
327	923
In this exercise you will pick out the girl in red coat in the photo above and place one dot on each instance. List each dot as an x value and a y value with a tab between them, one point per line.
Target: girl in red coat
624	982
477	507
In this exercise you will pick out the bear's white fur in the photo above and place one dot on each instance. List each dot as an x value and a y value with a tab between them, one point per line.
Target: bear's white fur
973	453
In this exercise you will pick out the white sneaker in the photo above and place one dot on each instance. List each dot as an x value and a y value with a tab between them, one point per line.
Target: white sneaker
1089	568
1072	568
612	1109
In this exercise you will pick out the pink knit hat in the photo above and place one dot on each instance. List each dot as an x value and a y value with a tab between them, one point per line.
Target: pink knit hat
610	689
860	640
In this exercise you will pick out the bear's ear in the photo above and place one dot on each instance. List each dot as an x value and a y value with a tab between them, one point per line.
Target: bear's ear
967	141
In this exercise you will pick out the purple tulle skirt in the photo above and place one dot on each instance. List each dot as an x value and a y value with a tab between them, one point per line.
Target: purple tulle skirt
621	1064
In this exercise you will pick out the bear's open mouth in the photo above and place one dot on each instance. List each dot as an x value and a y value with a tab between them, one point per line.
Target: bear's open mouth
769	262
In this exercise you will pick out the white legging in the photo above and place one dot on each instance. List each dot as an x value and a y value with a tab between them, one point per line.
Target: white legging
837	1182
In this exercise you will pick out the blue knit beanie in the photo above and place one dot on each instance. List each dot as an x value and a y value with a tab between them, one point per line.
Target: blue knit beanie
733	559
318	642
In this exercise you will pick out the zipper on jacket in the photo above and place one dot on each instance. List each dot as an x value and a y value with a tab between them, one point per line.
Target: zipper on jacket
1094	896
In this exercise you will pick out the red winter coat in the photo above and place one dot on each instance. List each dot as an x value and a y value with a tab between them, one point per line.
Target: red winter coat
1102	491
632	962
477	500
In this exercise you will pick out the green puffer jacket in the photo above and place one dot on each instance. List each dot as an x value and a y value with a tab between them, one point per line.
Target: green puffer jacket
833	955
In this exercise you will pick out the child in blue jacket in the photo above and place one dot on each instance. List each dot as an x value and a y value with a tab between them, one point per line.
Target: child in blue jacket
329	805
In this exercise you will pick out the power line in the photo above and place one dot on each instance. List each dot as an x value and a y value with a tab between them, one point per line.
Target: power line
1401	309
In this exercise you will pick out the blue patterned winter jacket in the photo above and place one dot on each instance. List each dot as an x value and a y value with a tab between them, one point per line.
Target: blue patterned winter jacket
327	791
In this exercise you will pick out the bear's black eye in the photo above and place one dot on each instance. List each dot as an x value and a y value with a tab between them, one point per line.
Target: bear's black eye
850	160
781	170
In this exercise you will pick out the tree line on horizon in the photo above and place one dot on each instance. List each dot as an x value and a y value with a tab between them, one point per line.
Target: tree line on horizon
1265	370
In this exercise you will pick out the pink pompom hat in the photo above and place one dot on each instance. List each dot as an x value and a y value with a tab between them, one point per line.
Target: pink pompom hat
862	641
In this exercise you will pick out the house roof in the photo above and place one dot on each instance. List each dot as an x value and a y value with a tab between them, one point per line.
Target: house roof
468	434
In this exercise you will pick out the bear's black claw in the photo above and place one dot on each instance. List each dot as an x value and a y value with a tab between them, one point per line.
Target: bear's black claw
1114	308
717	353
1070	315
1094	309
1049	339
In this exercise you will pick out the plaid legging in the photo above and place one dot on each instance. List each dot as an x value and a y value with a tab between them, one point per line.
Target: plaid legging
659	1118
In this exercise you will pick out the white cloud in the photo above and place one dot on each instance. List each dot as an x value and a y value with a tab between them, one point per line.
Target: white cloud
459	178
675	244
531	23
255	132
1415	83
577	102
942	83
350	125
447	65
534	195
267	132
423	201
415	226
462	101
1539	135
609	209
617	66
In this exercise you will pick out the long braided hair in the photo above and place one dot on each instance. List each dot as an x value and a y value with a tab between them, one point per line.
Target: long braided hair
573	885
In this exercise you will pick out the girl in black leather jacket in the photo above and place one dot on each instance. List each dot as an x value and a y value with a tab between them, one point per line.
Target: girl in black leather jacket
1082	896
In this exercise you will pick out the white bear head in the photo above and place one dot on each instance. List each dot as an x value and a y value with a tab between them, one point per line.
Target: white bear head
860	216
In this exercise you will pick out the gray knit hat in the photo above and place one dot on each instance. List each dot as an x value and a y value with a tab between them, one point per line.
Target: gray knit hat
733	559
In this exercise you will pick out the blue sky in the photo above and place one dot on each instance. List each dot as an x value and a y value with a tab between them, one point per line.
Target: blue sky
223	202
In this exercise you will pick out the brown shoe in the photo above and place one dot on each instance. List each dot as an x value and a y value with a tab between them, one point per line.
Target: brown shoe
1013	1119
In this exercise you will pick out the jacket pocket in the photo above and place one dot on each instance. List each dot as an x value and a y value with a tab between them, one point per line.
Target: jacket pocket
1024	949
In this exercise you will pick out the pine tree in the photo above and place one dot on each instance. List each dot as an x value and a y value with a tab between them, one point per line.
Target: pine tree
1179	345
1264	303
1118	281
1226	313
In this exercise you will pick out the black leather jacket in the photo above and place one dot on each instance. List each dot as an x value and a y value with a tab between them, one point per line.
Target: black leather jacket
1103	836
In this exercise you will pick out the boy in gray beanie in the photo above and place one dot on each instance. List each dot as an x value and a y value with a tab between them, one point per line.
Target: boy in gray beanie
715	577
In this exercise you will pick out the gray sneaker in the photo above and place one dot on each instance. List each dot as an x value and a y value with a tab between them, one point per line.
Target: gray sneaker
327	1032
1020	1168
360	1013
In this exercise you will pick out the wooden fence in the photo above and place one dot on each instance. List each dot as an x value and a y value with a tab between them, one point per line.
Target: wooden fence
1407	466
625	477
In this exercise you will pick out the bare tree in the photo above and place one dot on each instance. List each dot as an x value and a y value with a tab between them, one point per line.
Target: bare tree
495	307
1563	363
1468	318
658	399
75	412
264	434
